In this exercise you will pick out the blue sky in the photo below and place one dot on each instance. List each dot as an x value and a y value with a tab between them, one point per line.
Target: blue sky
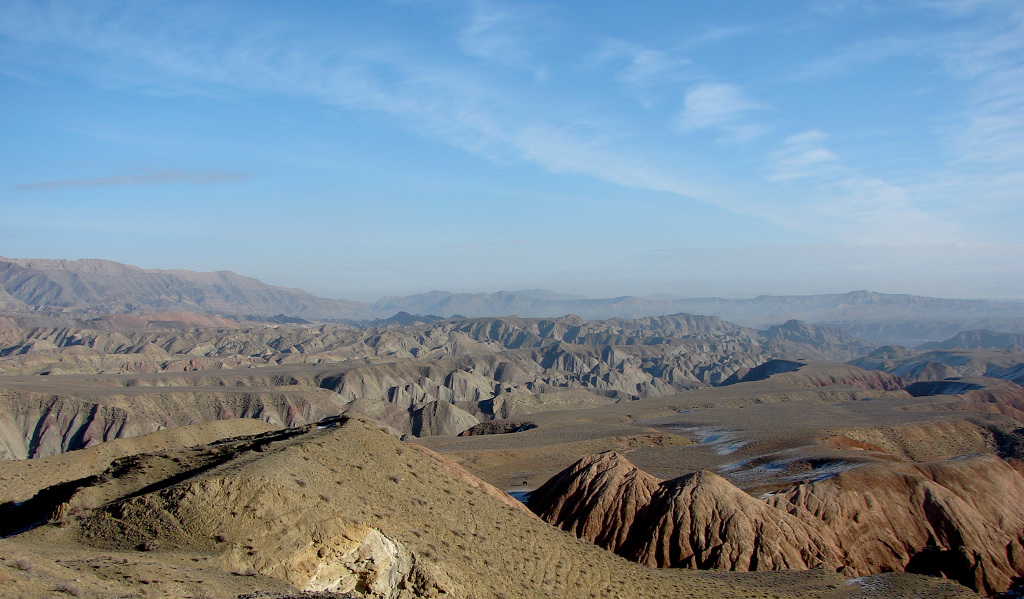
357	149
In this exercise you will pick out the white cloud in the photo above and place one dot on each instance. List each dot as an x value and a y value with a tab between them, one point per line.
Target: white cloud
852	207
461	104
876	209
648	67
560	149
713	104
720	106
717	34
992	130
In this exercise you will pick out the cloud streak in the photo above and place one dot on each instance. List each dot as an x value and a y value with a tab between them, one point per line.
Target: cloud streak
647	71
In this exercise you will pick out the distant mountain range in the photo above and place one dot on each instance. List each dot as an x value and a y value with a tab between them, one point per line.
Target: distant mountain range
101	286
111	287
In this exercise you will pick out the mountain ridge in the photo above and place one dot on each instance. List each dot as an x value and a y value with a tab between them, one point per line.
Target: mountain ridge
56	285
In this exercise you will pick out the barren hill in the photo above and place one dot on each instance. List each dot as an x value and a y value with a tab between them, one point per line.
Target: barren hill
978	340
877	317
950	359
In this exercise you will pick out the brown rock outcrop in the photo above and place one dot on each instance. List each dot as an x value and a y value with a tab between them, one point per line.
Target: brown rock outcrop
958	519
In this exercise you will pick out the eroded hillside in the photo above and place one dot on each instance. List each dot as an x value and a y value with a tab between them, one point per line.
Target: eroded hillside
76	383
948	518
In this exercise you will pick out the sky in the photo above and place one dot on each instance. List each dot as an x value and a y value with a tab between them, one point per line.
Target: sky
357	149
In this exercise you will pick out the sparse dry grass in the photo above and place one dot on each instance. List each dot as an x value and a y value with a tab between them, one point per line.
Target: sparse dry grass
68	589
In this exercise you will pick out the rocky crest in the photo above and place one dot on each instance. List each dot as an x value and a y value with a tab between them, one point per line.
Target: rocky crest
801	374
89	286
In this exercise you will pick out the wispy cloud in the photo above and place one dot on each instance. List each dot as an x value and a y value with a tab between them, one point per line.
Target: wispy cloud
720	106
983	56
989	62
833	197
154	177
880	210
471	104
862	54
718	34
562	150
802	156
502	34
456	103
647	71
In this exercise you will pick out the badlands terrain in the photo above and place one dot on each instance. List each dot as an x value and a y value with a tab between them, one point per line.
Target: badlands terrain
203	435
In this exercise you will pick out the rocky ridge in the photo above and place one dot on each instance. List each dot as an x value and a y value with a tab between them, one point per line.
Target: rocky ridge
966	354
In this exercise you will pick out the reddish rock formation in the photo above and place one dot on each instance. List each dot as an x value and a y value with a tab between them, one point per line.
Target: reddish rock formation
703	521
598	499
959	519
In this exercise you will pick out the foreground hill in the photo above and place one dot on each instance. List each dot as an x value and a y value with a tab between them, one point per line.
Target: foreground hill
337	504
340	507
